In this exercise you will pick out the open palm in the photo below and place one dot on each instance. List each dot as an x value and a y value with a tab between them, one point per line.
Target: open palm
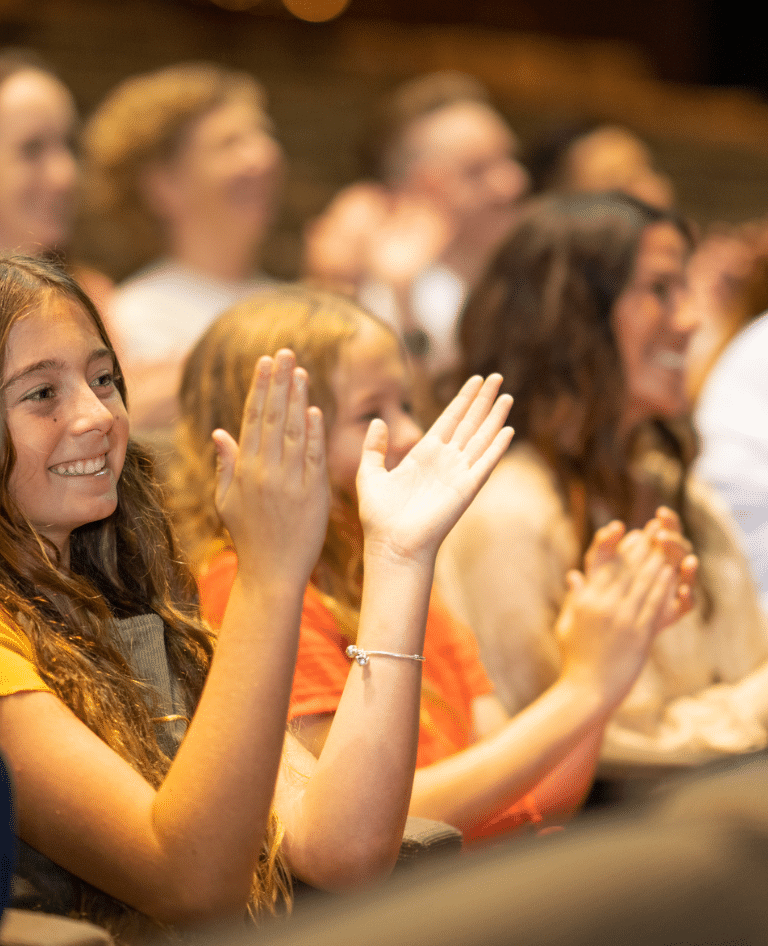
409	510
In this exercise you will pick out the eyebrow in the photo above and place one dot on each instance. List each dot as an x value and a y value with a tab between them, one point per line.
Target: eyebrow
52	364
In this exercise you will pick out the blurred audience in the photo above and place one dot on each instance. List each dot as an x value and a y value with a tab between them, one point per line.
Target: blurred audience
411	243
589	157
39	173
727	375
580	313
183	177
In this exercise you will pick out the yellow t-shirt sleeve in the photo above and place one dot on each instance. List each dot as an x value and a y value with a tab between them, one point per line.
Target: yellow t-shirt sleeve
17	666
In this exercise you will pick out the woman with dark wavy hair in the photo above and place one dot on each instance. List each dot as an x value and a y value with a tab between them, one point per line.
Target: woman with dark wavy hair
579	312
144	765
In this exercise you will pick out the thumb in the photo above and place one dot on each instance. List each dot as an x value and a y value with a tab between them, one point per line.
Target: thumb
574	580
375	446
226	457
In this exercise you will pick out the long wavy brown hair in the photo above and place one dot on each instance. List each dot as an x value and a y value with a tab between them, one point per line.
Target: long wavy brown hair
127	564
542	318
314	324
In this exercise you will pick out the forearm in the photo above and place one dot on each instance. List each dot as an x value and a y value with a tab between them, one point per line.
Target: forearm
563	791
212	809
478	782
348	824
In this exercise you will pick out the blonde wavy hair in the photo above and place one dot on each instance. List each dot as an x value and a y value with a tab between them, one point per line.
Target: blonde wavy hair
145	120
314	324
127	564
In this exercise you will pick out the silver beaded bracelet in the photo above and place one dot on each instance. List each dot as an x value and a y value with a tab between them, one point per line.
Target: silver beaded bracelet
361	656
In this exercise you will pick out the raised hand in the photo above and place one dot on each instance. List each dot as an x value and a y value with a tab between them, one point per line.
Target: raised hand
612	614
409	510
272	488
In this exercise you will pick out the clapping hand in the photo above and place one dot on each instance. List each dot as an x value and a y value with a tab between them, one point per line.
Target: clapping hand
408	511
272	487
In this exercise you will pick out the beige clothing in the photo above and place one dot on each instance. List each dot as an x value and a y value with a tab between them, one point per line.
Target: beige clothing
502	570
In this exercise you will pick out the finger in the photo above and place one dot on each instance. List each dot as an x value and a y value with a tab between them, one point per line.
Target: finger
574	581
253	411
669	519
636	559
315	462
689	569
604	543
674	546
295	438
445	425
478	411
226	457
276	406
681	605
484	465
374	448
490	426
657	601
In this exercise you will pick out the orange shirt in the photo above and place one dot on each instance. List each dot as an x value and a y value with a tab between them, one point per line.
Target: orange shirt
452	678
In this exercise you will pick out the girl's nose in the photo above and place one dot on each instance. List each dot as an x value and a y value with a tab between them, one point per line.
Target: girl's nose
91	413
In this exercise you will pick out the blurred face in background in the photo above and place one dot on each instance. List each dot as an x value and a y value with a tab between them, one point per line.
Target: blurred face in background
225	177
38	170
653	329
466	158
613	159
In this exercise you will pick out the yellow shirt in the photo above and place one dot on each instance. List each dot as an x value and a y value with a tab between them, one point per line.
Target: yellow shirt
17	662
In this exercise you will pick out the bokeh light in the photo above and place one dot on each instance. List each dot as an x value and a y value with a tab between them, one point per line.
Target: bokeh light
316	11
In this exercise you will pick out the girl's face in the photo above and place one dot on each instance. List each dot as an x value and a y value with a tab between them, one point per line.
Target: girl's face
652	329
65	418
370	380
38	171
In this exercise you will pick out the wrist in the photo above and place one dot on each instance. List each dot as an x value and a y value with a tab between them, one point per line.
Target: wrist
587	693
384	553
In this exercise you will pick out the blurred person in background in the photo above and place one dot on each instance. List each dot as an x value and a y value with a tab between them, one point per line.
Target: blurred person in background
580	312
726	375
39	173
183	175
589	157
410	244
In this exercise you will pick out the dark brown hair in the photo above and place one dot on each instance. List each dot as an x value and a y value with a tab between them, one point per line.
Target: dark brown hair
541	317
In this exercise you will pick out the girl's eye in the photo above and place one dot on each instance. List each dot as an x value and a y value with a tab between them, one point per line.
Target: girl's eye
105	380
407	408
371	415
44	393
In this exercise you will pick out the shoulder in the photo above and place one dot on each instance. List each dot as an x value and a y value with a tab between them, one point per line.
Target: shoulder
17	660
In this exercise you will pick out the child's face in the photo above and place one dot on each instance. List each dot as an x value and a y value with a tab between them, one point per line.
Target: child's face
371	380
66	420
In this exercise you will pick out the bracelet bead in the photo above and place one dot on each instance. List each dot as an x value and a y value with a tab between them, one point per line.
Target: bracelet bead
361	656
